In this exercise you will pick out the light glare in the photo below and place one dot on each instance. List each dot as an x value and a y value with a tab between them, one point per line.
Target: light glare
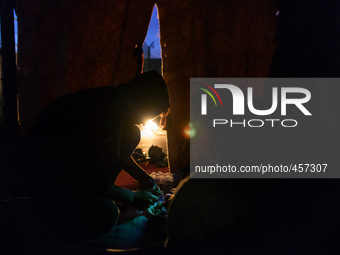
149	129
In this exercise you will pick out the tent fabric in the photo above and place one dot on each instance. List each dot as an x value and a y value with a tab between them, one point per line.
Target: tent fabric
69	45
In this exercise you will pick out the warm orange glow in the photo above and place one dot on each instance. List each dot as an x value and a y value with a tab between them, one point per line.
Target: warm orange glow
189	131
149	129
151	125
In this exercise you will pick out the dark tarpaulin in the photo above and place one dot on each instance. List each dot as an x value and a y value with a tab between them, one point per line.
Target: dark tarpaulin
65	46
210	39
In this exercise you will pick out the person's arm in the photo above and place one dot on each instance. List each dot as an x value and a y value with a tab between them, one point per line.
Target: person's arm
138	173
138	199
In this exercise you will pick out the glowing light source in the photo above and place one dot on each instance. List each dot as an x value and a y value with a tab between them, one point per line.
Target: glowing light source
151	125
150	128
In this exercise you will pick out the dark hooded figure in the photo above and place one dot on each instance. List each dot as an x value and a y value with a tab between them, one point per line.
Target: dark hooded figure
78	146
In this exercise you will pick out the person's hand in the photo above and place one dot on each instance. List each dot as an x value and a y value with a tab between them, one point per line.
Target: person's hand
142	199
148	184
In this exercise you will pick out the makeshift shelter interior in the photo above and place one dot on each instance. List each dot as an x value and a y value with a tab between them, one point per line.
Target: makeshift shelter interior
90	47
70	45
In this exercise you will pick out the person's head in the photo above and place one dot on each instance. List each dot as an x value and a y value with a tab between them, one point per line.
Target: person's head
146	96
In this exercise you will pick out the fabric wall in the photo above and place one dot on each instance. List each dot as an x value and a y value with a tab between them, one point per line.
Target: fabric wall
68	45
233	38
65	46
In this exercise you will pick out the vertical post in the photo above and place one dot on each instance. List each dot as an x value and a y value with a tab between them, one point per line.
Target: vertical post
149	55
9	69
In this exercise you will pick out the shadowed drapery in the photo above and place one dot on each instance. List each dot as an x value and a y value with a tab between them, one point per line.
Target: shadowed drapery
200	38
66	46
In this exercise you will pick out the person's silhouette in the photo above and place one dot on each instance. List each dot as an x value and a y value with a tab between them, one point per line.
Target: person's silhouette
78	146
